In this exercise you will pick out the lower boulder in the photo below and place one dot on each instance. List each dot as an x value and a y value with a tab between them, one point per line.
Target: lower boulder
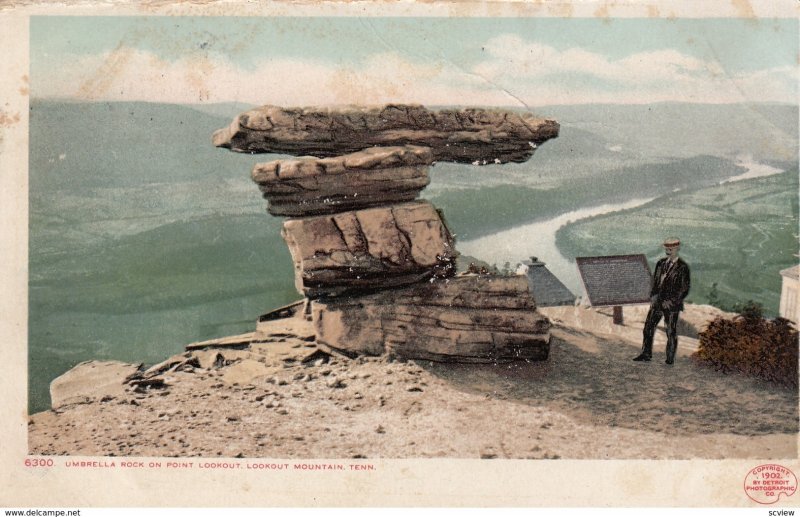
470	318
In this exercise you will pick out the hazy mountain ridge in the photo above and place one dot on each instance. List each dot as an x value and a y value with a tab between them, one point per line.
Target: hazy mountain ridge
99	171
764	130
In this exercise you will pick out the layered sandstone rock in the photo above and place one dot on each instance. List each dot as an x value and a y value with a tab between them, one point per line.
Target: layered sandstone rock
375	265
476	318
369	249
458	135
372	177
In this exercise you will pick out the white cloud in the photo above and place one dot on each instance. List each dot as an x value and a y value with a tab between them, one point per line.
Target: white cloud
577	75
515	71
129	74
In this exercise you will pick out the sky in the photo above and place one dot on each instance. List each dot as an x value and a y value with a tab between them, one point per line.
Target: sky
434	61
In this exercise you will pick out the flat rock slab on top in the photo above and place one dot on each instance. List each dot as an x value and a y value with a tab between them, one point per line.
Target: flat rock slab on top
456	135
373	177
369	249
462	319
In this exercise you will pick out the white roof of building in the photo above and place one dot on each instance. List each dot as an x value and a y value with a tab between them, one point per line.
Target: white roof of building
792	272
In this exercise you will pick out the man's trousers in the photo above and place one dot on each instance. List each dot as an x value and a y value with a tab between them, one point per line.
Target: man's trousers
670	322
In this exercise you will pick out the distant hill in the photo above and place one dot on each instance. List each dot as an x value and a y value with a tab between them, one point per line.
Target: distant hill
739	236
765	131
226	110
124	144
99	171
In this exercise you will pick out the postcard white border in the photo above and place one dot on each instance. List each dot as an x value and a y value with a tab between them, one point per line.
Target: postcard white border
425	482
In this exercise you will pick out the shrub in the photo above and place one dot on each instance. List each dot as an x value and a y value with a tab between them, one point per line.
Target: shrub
751	345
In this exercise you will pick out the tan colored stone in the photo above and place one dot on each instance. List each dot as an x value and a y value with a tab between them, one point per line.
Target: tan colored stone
459	135
171	364
465	318
238	341
369	249
246	371
90	380
220	358
372	177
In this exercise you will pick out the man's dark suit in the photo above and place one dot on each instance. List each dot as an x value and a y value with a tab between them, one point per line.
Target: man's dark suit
670	286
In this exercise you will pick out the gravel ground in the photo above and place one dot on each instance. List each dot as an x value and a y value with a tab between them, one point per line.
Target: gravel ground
589	400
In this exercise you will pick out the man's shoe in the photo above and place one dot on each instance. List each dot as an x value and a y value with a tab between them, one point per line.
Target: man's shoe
641	357
669	361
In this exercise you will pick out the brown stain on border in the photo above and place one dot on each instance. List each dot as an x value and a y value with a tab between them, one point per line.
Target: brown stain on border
744	8
604	12
8	120
564	10
25	90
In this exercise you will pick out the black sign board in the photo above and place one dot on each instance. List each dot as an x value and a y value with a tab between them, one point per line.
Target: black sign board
615	280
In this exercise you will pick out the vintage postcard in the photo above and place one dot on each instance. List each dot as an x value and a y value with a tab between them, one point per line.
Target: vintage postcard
382	254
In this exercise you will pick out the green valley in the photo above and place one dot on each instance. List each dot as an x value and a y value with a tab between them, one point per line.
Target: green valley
737	236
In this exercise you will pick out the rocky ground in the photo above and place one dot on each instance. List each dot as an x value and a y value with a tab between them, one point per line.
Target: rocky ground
284	398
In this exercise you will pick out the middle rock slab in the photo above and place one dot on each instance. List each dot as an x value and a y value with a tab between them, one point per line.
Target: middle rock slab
377	176
369	249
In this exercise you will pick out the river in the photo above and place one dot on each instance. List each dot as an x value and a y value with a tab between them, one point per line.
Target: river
539	239
754	170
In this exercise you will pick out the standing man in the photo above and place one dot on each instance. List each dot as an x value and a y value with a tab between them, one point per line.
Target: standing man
669	288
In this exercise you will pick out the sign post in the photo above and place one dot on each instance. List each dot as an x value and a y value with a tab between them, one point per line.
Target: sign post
615	280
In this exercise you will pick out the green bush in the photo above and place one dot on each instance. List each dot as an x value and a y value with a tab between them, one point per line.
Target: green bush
751	345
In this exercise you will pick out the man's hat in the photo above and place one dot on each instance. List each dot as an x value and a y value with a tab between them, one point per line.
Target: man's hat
672	242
